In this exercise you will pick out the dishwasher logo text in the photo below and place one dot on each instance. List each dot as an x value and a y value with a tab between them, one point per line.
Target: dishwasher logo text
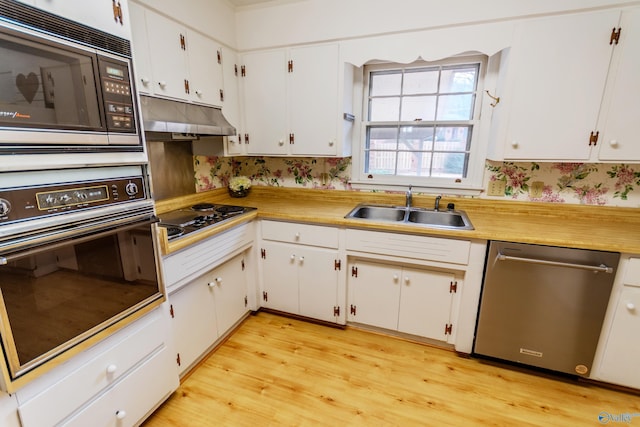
606	417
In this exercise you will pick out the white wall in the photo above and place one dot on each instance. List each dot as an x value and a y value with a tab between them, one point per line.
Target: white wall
289	22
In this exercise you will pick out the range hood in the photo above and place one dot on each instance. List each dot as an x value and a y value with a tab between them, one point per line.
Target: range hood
182	118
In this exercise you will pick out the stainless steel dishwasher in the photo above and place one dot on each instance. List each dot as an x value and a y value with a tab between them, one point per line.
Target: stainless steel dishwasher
543	306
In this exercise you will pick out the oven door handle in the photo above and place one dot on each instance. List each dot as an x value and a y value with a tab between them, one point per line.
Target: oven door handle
52	240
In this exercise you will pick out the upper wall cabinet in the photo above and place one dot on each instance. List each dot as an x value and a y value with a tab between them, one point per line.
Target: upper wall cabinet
172	61
109	16
551	89
294	102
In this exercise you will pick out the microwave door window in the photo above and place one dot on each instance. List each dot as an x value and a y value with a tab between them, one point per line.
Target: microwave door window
47	87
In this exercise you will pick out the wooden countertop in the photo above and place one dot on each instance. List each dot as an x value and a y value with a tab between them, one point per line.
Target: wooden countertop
576	226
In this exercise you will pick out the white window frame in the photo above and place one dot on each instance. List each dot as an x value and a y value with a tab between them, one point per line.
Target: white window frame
472	184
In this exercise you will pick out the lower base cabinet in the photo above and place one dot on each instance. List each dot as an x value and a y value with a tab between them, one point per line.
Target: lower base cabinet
206	308
622	351
117	382
410	300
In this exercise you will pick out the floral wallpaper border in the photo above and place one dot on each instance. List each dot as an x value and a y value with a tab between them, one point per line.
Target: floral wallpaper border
578	183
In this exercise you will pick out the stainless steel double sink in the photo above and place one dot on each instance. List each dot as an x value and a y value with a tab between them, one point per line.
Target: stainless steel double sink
449	219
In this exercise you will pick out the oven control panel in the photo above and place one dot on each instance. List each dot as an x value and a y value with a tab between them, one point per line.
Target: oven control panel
32	202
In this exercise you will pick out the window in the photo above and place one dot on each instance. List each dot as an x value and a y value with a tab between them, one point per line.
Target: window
421	123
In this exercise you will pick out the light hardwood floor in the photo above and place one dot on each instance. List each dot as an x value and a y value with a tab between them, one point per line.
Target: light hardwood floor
277	371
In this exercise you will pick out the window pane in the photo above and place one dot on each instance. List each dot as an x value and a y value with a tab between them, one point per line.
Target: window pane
458	80
416	138
418	107
384	109
381	162
420	82
414	163
455	107
449	165
452	138
383	138
383	84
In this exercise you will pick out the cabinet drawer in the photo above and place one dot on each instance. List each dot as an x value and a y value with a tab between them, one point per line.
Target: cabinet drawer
409	246
193	261
632	276
303	234
129	401
63	397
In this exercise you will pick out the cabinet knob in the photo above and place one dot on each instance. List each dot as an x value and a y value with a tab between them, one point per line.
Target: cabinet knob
120	414
301	259
613	143
406	280
631	306
331	142
514	144
111	369
395	278
281	142
293	257
162	84
145	81
199	92
297	236
216	281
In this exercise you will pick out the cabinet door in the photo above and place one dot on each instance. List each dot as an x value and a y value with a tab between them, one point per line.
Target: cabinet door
230	292
234	144
317	282
622	351
558	71
194	320
374	294
140	46
167	44
280	277
265	107
205	71
425	303
314	100
621	107
97	14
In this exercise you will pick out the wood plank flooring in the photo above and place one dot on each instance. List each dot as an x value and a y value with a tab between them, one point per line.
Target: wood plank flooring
277	371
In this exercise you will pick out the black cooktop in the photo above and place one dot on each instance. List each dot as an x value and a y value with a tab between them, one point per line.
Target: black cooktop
202	215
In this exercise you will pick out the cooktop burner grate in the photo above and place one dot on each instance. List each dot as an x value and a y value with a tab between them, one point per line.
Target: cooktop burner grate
203	207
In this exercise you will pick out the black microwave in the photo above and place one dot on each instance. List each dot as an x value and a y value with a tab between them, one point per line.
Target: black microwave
64	86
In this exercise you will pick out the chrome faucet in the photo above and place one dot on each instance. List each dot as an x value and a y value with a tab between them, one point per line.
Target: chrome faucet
437	206
409	197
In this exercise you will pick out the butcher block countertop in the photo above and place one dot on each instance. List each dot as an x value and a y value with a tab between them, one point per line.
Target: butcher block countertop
575	226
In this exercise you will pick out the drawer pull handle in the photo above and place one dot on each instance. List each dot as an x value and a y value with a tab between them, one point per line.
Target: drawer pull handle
111	369
297	236
120	414
631	306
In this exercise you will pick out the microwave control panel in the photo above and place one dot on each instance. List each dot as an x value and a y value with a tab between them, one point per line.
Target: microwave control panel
117	94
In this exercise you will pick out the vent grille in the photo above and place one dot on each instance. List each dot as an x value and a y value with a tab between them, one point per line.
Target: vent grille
29	16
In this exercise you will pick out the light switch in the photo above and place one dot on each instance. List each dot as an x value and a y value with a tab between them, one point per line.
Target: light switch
535	190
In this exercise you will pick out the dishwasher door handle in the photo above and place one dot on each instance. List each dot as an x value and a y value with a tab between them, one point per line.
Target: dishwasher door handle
595	268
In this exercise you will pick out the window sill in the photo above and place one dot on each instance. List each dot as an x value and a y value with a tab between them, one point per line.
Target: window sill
456	191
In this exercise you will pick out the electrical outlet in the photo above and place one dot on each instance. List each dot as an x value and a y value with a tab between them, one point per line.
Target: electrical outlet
536	189
497	188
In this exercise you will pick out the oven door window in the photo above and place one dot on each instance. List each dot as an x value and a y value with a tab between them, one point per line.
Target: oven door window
57	297
47	86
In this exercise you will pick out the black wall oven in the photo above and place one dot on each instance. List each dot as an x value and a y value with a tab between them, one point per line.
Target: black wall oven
64	87
77	262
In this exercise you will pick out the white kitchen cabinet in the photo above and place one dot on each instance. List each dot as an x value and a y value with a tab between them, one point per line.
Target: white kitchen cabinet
8	410
135	362
293	102
618	135
621	347
409	300
231	105
173	61
552	94
206	309
109	16
301	270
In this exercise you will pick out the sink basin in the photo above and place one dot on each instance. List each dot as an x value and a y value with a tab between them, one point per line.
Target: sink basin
449	219
378	213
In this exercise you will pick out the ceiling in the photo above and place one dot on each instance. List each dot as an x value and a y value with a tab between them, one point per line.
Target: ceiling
247	2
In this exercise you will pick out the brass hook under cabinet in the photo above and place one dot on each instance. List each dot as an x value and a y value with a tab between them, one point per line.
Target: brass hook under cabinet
496	99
